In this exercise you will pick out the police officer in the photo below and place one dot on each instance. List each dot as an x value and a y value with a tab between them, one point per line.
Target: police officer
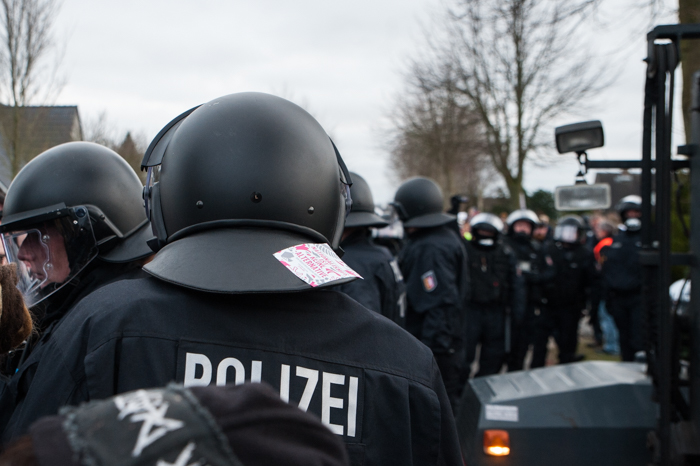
74	208
496	290
536	269
437	279
73	222
622	280
567	292
247	197
381	289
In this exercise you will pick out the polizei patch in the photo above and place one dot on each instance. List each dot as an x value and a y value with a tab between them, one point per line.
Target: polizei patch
332	391
429	281
316	264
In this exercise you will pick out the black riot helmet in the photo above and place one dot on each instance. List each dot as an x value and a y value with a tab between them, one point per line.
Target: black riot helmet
236	180
627	203
523	214
362	212
485	229
569	229
419	204
70	204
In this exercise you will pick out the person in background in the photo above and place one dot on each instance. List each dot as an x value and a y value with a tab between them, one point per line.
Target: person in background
381	289
16	323
604	233
591	223
497	292
542	231
504	218
435	270
622	278
537	269
566	292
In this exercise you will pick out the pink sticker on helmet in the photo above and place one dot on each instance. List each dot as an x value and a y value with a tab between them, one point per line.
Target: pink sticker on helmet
316	264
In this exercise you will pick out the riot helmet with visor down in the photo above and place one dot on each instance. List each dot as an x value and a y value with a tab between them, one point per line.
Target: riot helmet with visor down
69	205
569	229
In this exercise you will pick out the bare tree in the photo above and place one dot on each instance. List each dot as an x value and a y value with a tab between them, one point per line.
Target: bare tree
132	149
25	75
436	136
131	146
518	65
101	130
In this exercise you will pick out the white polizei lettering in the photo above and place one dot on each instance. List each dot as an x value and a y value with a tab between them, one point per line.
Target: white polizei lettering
256	371
284	383
352	406
195	360
311	383
328	402
222	370
192	360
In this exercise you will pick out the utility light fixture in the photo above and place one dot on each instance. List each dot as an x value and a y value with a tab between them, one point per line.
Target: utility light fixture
579	137
581	197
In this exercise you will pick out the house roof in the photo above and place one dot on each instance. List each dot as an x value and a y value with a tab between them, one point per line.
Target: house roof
39	128
621	184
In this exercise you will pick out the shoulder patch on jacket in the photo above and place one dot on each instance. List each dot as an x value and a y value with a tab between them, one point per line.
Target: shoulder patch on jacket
429	281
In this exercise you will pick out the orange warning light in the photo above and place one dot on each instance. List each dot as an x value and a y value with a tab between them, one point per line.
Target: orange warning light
496	443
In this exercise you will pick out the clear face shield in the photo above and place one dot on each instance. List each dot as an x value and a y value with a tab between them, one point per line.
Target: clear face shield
566	234
50	253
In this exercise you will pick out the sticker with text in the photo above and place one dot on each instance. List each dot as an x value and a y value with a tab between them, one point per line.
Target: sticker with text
316	264
501	413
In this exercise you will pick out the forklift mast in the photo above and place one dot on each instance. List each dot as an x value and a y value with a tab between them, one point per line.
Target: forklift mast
677	437
517	408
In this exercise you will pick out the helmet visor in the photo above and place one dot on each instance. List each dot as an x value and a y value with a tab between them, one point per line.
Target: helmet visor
50	254
566	233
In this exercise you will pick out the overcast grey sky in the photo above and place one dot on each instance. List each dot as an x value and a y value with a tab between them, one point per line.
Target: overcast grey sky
144	62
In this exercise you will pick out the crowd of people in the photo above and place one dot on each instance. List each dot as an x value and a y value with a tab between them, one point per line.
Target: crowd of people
231	274
514	282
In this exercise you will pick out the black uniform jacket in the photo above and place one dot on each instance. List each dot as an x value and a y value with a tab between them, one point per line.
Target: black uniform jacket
575	275
493	274
367	379
434	266
621	270
382	289
535	266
